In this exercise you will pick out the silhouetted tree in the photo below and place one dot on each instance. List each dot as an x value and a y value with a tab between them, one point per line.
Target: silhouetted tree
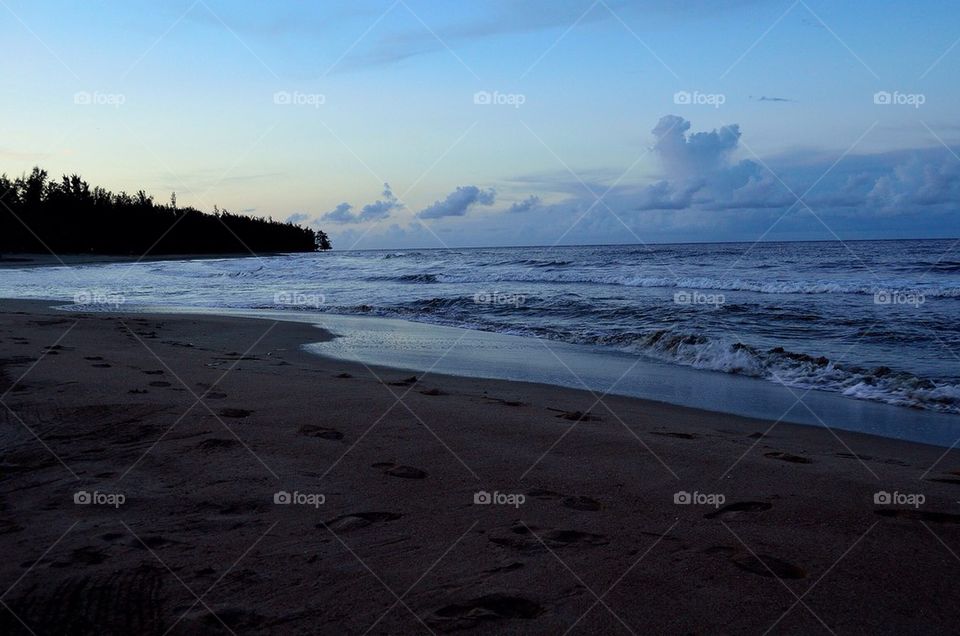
67	216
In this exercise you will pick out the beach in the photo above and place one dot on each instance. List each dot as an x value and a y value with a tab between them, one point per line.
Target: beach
201	473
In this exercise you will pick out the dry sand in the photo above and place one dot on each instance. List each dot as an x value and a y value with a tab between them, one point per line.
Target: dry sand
197	421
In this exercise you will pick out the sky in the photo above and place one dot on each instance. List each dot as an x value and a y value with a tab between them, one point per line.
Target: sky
416	123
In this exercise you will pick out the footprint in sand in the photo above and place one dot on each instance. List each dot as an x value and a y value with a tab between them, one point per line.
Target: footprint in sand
525	539
235	413
432	392
160	384
7	526
102	365
761	564
358	520
405	382
151	541
945	480
582	503
312	430
766	565
93	358
919	515
399	470
676	434
855	456
86	555
343	376
216	444
787	457
510	567
543	493
154	372
576	416
739	507
505	402
482	610
236	619
138	391
214	395
574	502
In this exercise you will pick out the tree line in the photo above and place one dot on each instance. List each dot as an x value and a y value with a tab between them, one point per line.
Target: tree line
39	214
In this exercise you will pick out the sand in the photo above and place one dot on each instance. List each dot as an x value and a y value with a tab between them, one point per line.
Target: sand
182	430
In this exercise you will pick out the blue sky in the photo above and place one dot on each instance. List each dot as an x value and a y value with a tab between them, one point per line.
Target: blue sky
607	122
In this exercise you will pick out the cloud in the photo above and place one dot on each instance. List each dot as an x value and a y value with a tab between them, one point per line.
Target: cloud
376	211
704	191
764	98
686	156
525	205
916	184
298	217
500	18
459	202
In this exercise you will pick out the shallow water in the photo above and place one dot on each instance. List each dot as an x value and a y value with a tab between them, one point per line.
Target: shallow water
876	321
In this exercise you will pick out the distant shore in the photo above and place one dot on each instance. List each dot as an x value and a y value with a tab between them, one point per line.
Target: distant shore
48	260
383	470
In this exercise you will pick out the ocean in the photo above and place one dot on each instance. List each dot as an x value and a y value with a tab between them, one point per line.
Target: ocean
868	320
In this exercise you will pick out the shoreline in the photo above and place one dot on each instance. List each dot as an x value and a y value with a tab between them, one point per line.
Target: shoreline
519	360
111	408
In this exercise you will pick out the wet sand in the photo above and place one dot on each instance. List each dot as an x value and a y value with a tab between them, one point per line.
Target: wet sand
187	434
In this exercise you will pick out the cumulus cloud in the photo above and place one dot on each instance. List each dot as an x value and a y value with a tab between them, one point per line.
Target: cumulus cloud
525	205
700	174
690	155
916	183
459	202
704	190
376	211
298	217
